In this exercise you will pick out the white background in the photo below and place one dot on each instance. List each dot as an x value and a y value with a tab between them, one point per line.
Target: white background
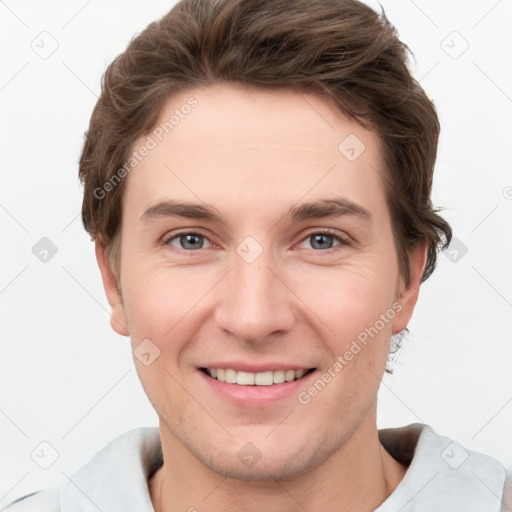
67	379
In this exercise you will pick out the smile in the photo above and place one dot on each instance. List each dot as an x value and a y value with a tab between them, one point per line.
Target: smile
267	378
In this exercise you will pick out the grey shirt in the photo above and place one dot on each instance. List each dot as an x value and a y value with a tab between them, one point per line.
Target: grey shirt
442	476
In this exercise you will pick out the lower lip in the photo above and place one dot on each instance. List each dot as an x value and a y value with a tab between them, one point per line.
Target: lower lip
255	396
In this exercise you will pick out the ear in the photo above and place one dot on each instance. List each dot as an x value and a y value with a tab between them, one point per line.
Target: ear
408	293
117	316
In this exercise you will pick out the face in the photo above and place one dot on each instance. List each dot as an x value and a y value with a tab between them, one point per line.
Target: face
257	248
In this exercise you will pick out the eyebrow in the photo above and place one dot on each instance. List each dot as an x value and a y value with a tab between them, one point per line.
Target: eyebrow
172	208
327	208
312	210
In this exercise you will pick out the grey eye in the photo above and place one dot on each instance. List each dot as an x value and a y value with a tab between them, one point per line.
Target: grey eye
321	241
188	241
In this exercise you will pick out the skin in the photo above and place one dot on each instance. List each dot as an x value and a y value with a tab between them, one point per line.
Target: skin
253	155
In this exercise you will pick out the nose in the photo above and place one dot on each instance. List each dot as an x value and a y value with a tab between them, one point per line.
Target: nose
255	301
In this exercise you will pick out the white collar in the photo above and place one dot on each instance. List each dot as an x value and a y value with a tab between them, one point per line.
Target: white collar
116	478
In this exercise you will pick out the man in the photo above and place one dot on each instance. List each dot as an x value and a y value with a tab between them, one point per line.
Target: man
257	180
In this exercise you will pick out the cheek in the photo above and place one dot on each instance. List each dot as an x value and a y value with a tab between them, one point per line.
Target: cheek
349	299
162	308
167	306
355	310
157	299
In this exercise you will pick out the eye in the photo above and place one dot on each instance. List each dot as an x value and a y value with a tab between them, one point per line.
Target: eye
324	240
188	241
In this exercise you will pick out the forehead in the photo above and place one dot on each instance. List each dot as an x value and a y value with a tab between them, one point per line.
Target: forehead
228	143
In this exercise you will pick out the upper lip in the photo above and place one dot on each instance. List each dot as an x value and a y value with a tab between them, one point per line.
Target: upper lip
256	368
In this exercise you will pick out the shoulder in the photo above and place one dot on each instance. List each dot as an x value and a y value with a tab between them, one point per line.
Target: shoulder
443	474
39	501
507	492
116	477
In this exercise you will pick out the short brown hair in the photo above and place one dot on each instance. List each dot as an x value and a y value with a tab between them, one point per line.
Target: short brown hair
341	49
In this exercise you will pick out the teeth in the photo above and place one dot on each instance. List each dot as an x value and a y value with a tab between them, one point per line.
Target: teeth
278	377
245	378
231	376
289	375
264	379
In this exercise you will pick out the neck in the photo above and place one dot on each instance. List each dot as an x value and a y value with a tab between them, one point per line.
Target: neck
358	477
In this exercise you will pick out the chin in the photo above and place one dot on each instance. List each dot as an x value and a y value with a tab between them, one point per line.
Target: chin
263	470
264	460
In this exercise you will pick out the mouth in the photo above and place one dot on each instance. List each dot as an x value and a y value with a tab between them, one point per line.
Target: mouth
266	378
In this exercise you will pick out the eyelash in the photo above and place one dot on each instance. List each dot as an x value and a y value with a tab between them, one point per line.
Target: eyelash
343	242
